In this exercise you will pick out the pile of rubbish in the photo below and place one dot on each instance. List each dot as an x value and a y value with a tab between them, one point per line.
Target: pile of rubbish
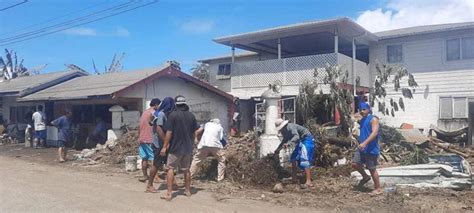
113	151
243	165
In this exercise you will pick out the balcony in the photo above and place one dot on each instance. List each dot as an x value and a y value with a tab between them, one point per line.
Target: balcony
293	71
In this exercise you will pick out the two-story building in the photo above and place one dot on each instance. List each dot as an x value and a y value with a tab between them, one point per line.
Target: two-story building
441	57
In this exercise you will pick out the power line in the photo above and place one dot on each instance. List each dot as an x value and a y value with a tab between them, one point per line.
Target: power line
12	6
75	25
50	20
69	22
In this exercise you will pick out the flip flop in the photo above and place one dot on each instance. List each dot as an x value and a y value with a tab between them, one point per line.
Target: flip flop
188	194
363	181
376	192
142	179
166	196
151	190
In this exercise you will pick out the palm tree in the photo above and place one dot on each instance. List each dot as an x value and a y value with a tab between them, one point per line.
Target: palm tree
10	68
201	71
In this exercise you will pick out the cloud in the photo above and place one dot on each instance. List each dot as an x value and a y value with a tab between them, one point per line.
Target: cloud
197	26
81	31
122	32
408	13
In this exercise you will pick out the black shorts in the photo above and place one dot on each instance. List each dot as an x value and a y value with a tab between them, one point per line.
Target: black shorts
158	160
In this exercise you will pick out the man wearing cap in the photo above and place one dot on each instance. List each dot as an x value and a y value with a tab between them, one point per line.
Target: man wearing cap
211	145
145	137
303	154
179	143
368	150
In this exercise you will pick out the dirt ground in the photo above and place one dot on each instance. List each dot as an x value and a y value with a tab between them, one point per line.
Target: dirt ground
331	192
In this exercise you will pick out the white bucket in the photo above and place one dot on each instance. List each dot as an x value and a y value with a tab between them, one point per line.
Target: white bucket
130	163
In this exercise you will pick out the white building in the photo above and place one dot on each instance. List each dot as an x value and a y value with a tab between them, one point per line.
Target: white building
441	57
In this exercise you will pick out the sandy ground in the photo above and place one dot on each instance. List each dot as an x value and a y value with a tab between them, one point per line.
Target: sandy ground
29	184
32	180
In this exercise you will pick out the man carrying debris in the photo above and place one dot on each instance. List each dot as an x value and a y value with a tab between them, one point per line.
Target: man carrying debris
179	140
145	137
303	154
368	151
64	124
160	117
39	121
211	145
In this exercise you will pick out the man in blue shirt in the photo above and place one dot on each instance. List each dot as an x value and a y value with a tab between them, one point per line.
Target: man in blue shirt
368	150
64	125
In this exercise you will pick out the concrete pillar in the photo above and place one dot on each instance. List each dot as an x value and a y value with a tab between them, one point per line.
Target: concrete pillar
233	54
269	141
353	66
279	49
336	42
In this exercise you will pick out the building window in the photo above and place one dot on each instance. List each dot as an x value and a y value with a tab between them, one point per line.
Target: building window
460	48
394	54
468	48
21	114
450	107
224	69
453	50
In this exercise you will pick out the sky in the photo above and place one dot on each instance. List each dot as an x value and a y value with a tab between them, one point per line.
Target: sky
183	30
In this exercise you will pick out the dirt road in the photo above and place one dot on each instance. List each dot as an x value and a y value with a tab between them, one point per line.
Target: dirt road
28	186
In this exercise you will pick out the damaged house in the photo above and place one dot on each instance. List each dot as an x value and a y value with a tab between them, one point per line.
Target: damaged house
95	96
441	57
17	114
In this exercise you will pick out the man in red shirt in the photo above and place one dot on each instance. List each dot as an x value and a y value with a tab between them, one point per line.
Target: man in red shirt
145	136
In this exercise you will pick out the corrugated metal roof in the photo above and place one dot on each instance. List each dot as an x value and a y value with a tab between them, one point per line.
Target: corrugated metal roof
227	40
237	55
17	85
93	85
114	84
413	136
410	31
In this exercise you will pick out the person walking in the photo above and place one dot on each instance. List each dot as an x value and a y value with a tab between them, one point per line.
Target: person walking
179	142
39	123
145	137
64	124
211	145
368	151
303	154
160	117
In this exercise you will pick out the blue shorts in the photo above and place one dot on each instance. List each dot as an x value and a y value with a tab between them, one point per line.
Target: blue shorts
303	153
370	161
145	151
61	144
40	134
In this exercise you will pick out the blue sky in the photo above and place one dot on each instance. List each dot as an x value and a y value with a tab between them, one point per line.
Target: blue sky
181	30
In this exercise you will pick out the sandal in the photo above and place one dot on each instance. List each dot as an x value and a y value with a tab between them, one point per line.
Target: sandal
376	192
166	196
188	194
151	189
363	181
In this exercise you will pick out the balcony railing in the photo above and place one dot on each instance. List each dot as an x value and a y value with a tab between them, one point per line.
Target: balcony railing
290	71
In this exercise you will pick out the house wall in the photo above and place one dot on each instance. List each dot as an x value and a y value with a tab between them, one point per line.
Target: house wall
224	84
423	109
422	54
425	57
200	100
10	101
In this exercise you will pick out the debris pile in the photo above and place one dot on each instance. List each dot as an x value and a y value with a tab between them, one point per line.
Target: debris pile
125	146
243	165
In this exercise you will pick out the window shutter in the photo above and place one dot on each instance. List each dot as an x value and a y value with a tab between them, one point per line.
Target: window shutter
445	108
459	108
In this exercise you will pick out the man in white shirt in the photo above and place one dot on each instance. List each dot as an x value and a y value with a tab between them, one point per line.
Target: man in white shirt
211	145
39	120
